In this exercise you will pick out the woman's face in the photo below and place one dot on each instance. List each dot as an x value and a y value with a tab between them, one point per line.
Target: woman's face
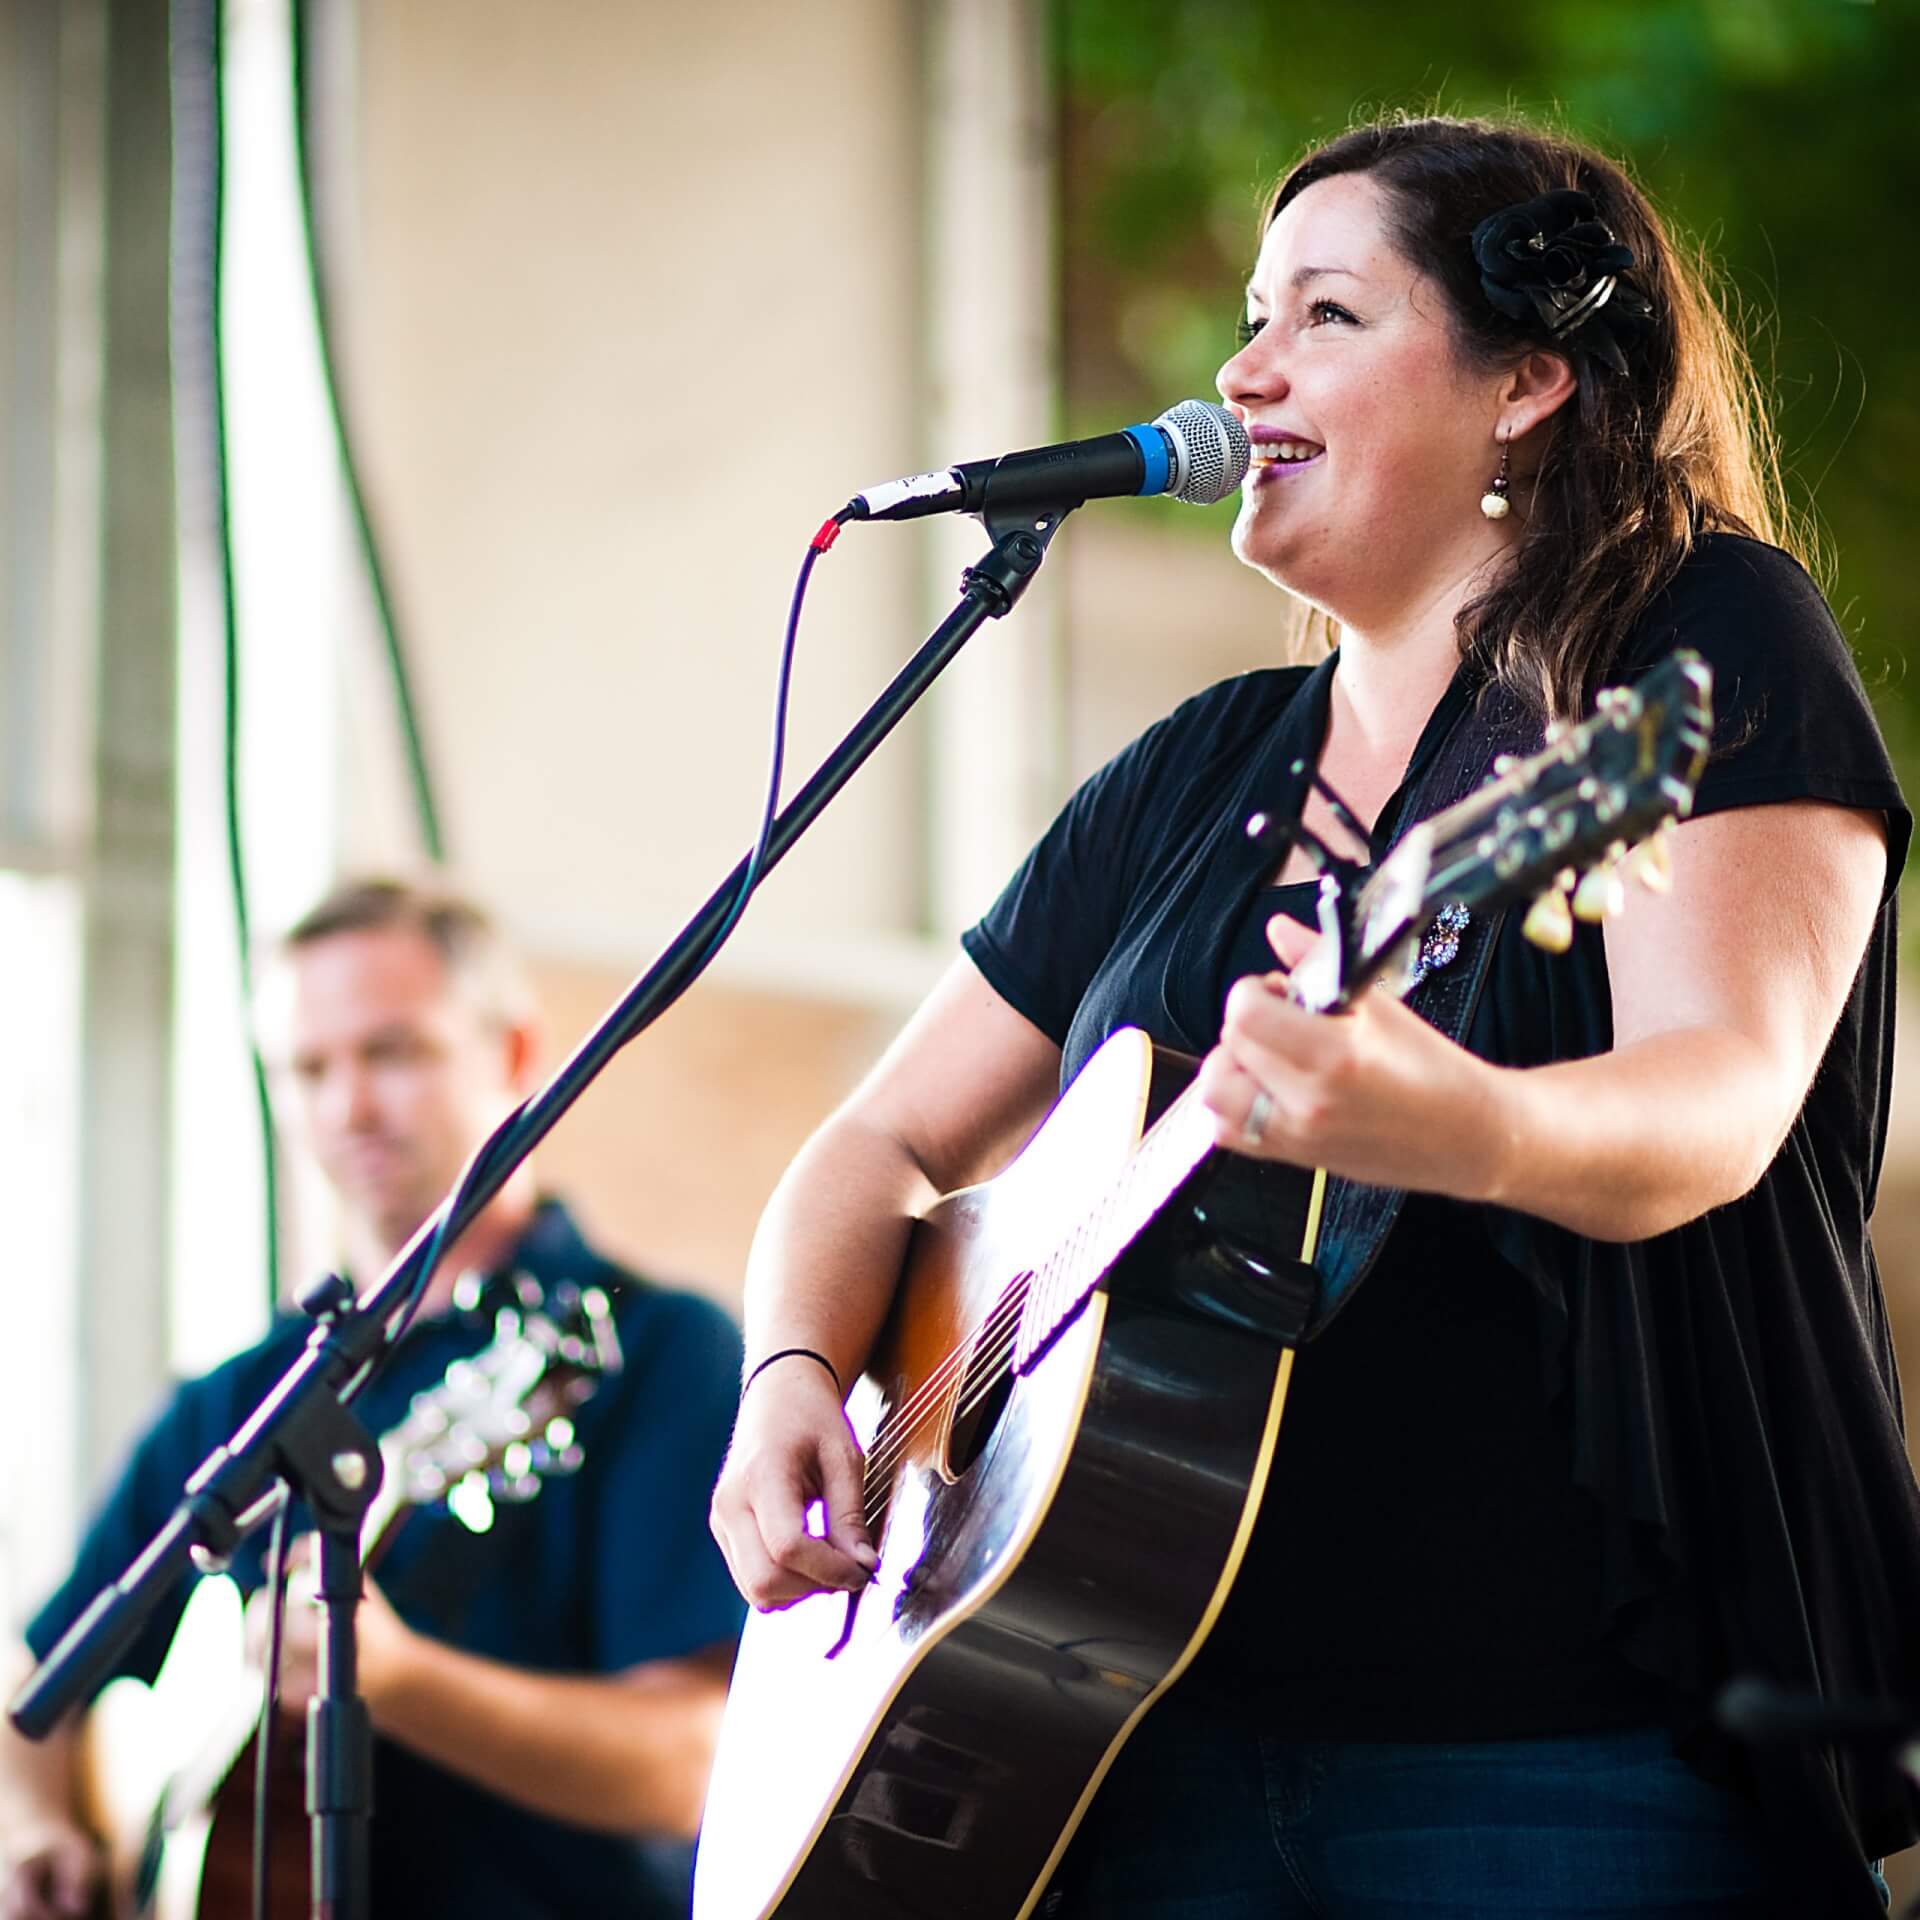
1373	442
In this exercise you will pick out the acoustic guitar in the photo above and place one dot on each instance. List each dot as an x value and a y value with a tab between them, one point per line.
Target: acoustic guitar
168	1771
1068	1419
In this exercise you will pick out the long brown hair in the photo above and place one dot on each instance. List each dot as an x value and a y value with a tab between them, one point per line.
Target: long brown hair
1636	465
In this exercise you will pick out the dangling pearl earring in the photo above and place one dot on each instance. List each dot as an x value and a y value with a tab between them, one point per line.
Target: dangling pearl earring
1494	502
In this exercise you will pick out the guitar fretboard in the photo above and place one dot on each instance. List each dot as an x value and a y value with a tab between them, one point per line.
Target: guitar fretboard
1168	1152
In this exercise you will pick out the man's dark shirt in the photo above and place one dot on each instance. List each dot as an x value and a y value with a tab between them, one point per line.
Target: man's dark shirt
603	1570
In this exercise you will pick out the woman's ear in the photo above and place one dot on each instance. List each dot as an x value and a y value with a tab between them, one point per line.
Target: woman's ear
1535	390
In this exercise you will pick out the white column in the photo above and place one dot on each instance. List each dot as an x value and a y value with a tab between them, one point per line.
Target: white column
997	748
297	611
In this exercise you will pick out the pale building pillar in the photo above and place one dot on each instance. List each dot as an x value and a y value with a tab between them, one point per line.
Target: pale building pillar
997	748
52	143
127	963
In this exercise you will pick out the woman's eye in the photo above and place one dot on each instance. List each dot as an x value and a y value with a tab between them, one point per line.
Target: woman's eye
1246	329
1321	311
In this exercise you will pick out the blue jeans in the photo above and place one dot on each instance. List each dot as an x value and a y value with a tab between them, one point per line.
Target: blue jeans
1201	1820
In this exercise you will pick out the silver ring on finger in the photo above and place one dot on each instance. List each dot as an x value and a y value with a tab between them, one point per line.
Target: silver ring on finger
1259	1112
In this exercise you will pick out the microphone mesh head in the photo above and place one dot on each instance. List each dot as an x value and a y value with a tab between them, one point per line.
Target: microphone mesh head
1211	454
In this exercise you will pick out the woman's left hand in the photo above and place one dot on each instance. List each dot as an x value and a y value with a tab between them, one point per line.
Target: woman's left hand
1373	1094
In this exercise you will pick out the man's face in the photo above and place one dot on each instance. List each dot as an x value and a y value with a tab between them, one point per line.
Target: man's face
394	1075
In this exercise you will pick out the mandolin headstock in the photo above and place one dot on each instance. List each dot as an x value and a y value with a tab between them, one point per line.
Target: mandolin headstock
499	1424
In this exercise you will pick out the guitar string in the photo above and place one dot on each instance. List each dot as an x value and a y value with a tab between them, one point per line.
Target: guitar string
912	1414
905	1426
986	1359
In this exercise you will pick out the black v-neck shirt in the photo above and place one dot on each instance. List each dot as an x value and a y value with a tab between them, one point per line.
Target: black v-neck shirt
1423	1567
1520	1460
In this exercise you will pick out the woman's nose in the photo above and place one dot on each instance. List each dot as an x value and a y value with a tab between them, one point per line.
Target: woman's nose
1253	374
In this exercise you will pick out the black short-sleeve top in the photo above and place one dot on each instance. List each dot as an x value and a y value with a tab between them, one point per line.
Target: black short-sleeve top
1527	1481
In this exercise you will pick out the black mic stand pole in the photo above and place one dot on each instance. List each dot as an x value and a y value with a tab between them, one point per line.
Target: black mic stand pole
302	1438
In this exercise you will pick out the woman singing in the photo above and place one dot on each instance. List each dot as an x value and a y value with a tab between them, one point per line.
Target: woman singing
1613	1416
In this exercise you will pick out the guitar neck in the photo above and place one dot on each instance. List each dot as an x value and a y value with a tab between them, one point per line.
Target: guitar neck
384	1518
1168	1154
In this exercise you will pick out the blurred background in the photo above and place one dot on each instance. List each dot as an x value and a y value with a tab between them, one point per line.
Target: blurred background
414	415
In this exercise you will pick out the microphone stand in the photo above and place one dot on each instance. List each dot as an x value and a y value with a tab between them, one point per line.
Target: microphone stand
303	1440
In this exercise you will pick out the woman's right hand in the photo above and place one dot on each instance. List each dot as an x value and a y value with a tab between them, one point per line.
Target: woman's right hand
791	1447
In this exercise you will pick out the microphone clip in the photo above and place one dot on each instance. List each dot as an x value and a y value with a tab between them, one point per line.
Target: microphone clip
1021	536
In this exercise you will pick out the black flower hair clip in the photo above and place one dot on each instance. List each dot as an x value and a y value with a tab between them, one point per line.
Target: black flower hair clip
1554	261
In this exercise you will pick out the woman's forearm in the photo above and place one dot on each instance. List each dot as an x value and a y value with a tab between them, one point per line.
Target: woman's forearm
1636	1142
830	1245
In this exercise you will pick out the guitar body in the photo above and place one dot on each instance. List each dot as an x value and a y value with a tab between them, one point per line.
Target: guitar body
226	1862
1049	1563
169	1779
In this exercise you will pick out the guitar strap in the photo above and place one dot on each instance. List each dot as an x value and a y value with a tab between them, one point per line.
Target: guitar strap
1355	1219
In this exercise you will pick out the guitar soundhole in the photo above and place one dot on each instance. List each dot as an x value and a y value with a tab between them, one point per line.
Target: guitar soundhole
987	1385
979	1416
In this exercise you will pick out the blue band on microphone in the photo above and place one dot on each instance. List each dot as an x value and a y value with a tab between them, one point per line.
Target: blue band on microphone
1153	454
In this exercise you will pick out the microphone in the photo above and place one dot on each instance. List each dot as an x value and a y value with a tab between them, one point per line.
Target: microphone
1195	451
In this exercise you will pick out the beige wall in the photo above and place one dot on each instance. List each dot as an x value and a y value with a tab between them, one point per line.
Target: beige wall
632	305
672	1151
632	310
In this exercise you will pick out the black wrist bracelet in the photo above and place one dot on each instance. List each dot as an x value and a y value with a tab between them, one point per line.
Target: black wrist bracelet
789	1353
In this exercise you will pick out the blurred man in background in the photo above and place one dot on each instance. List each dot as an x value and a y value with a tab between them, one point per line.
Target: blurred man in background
545	1682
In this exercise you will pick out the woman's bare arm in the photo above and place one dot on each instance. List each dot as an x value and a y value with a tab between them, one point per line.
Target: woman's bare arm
951	1101
1725	994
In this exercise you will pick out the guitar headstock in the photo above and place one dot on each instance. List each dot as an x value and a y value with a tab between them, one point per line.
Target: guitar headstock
1568	825
499	1424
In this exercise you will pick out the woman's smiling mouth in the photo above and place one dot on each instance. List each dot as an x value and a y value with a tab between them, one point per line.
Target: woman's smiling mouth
1280	454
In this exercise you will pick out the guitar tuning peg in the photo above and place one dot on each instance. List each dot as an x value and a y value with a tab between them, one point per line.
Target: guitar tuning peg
1601	894
1549	921
1651	862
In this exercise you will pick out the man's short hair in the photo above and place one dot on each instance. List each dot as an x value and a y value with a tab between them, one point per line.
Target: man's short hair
477	958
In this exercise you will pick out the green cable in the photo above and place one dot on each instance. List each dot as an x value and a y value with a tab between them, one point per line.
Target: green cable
213	182
427	812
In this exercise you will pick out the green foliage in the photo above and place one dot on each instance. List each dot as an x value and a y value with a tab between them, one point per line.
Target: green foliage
1777	132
